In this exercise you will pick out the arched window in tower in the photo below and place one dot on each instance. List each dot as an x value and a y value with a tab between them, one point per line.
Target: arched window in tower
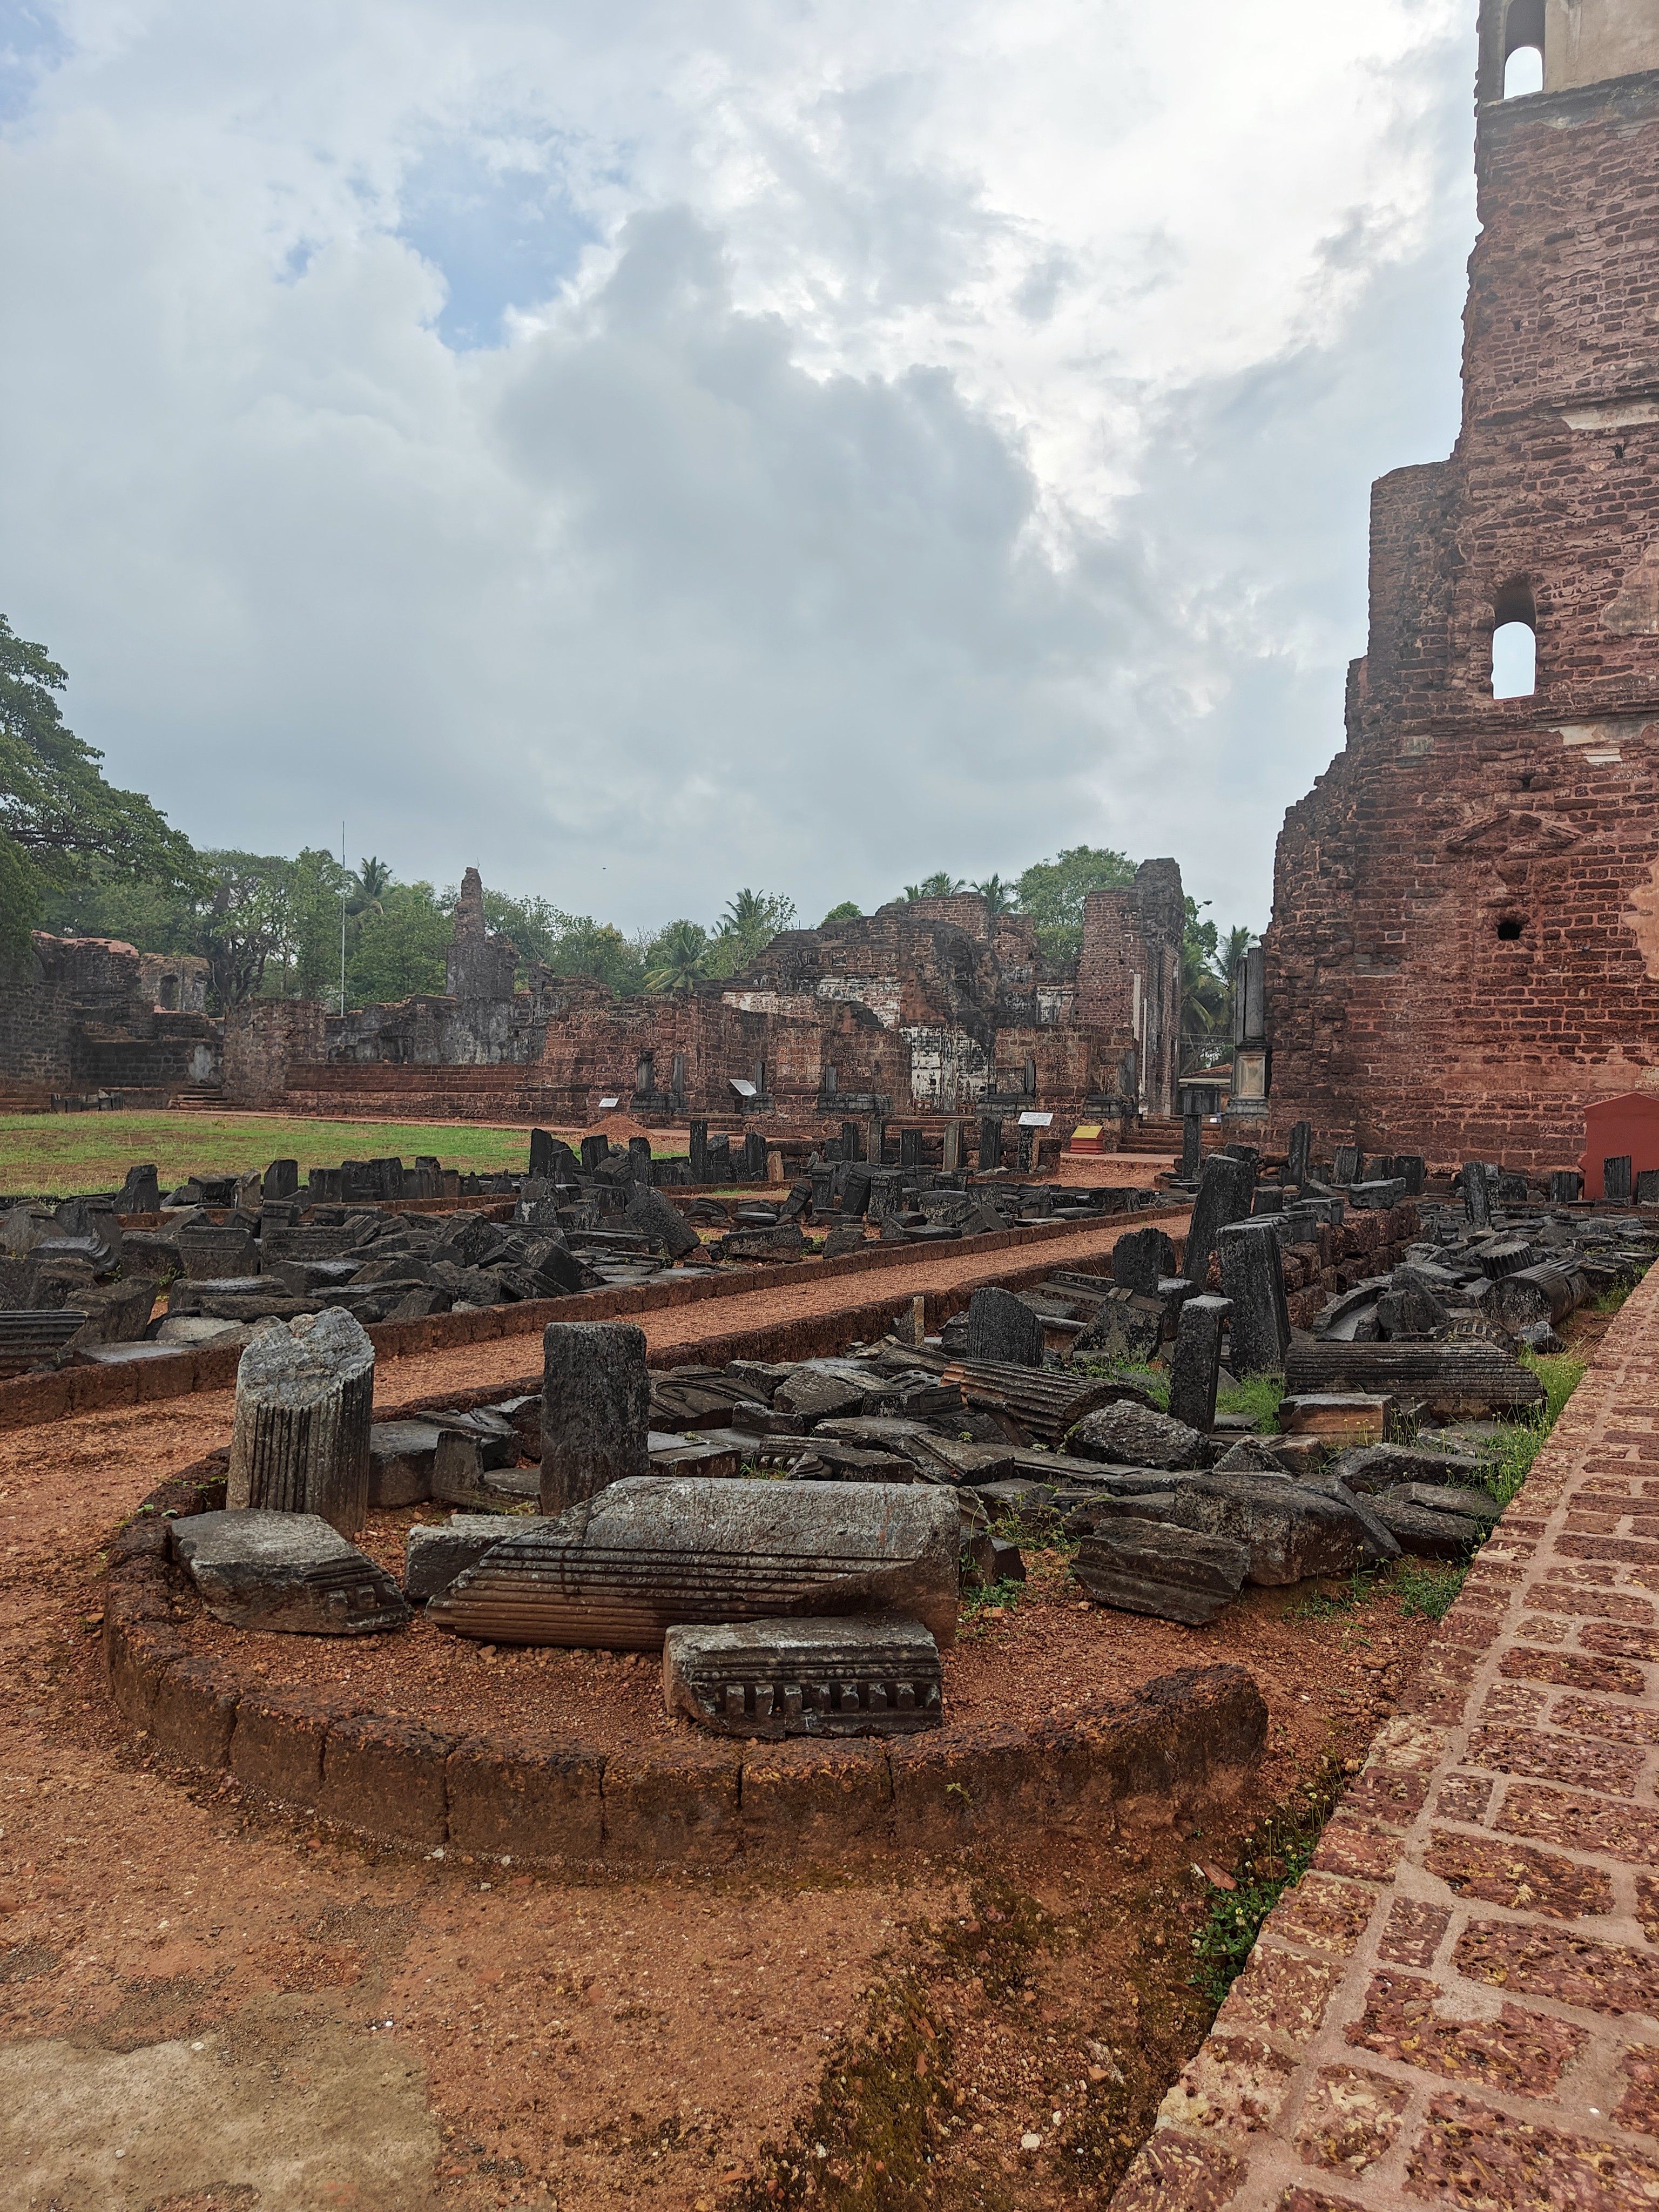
1515	642
1523	49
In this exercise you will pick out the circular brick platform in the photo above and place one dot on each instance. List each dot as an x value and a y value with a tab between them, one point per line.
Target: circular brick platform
1189	1739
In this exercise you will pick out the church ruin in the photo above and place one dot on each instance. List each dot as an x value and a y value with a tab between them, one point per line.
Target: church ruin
1465	938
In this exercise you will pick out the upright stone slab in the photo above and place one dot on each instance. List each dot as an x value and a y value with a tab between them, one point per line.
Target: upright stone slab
1192	1147
305	1398
141	1193
280	1180
852	1141
1567	1187
754	1157
1226	1189
1195	1366
617	1571
698	1147
593	1150
868	1675
1142	1259
596	1400
1298	1162
1252	1277
953	1154
990	1142
541	1153
639	1160
1477	1194
1647	1186
1348	1166
1003	1328
1616	1179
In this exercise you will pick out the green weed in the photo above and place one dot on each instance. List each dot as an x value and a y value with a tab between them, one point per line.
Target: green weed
1153	1381
1258	1396
976	1604
1426	1590
1608	1301
1511	1453
1325	1605
1272	1858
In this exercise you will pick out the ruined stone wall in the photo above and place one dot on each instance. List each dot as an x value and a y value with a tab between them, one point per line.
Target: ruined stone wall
264	1039
81	1015
1464	950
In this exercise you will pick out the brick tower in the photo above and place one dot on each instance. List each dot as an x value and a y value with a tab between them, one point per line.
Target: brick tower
1464	948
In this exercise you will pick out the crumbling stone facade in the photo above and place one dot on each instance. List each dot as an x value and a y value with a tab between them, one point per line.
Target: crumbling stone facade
86	1014
930	1006
1464	949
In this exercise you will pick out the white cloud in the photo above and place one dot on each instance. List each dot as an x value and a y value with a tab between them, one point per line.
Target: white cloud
648	450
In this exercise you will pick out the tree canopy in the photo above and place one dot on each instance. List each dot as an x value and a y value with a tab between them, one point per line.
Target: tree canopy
61	825
1053	891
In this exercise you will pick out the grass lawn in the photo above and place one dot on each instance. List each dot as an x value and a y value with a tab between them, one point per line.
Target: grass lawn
70	1152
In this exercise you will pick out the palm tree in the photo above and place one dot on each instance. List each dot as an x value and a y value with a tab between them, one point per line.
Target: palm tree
369	882
678	958
939	886
1230	950
1203	998
999	897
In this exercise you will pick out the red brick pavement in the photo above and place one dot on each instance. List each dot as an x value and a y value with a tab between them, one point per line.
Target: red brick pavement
1459	2003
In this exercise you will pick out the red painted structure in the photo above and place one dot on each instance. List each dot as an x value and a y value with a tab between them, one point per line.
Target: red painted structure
1613	1127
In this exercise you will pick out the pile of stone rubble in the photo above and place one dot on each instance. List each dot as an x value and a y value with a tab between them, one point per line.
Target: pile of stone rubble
230	1252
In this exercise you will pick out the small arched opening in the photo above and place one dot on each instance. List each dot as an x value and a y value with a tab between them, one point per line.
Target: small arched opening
1523	49
1515	642
168	1000
1508	929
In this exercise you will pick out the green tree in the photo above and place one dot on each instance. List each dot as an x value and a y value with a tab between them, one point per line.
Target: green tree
60	823
677	960
533	924
848	910
749	923
1224	961
939	885
401	948
246	919
318	885
1053	891
999	897
579	946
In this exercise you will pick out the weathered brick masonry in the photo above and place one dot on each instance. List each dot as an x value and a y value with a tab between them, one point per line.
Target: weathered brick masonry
1464	948
929	1006
89	1014
1459	2003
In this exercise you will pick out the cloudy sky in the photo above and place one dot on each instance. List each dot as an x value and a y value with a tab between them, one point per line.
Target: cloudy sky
653	448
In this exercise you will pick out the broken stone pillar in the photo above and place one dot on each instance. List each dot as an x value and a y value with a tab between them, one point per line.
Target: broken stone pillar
1192	1147
1348	1166
990	1142
863	1676
644	1556
280	1180
951	1158
639	1160
852	1141
1142	1259
875	1141
304	1405
1152	1567
1001	1326
1477	1195
1567	1187
1226	1189
1297	1168
596	1399
1196	1364
593	1150
1252	1277
1616	1179
541	1153
754	1157
285	1573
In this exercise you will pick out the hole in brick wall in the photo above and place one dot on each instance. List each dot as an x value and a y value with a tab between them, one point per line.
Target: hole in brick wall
1515	642
1524	72
1527	782
1508	929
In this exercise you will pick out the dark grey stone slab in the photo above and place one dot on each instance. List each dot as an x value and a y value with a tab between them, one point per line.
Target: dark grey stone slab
1156	1567
861	1675
300	1441
1127	1435
1001	1326
435	1556
288	1573
596	1409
